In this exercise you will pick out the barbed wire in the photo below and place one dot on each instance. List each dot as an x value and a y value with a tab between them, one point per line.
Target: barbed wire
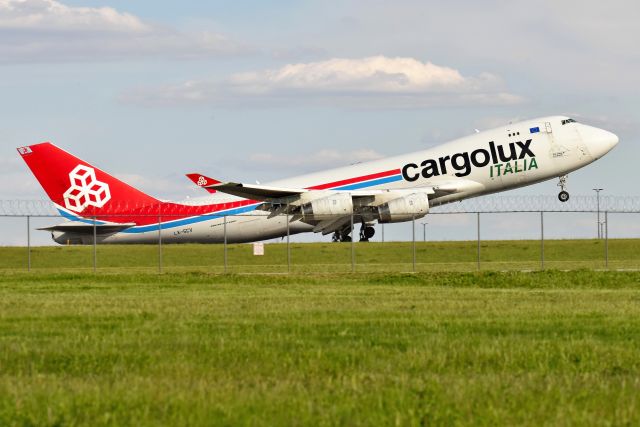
27	208
546	203
488	204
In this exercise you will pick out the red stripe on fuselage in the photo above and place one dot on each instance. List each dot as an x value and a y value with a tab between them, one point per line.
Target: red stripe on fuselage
354	180
164	211
168	211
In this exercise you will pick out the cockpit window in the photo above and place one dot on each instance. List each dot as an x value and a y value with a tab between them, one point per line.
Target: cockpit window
565	121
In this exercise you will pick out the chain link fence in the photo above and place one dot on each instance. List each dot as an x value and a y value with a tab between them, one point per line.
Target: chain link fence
489	233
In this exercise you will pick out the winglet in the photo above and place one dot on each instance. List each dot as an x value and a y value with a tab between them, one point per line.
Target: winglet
203	181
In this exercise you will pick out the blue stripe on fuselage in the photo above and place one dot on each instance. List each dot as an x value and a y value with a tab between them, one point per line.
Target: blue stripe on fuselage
72	217
220	214
193	220
375	182
167	224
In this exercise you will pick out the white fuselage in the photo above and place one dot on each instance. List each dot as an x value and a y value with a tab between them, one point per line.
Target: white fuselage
555	149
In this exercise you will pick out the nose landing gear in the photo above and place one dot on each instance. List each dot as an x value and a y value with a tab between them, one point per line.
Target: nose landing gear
563	196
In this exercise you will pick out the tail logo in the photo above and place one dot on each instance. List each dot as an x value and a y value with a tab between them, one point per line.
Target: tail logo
201	181
85	190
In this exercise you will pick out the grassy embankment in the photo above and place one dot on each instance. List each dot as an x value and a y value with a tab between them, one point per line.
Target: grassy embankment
488	348
335	257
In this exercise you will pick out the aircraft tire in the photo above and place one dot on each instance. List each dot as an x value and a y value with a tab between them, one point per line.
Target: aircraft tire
563	196
369	232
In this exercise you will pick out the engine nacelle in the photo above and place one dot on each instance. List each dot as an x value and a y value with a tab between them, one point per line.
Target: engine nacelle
336	204
405	208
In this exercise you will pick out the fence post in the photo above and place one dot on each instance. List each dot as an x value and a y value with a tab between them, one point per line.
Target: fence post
353	253
382	229
606	240
225	244
541	240
28	243
478	227
288	247
159	244
413	235
95	253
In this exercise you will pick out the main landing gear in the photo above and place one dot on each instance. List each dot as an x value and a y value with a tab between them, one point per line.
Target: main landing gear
563	196
340	237
366	232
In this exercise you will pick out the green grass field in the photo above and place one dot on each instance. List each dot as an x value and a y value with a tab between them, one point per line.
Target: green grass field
333	257
489	348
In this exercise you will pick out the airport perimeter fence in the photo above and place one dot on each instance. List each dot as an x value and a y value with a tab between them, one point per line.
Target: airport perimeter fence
489	233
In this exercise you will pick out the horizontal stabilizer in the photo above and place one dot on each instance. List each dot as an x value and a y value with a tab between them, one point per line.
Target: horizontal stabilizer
87	227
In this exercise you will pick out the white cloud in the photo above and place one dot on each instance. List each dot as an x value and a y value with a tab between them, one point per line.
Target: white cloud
373	74
50	15
366	82
49	31
546	45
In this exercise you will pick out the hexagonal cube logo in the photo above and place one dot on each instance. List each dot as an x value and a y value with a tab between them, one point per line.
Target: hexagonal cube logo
85	190
83	176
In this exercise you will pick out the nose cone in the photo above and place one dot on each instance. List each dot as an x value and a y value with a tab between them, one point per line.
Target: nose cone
599	141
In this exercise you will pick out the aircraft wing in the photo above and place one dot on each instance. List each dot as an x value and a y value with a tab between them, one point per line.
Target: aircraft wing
269	194
278	194
330	210
202	181
246	191
256	191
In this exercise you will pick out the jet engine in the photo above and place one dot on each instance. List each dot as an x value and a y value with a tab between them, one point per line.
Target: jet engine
415	205
336	204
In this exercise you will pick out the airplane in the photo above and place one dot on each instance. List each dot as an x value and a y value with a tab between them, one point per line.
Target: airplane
99	206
